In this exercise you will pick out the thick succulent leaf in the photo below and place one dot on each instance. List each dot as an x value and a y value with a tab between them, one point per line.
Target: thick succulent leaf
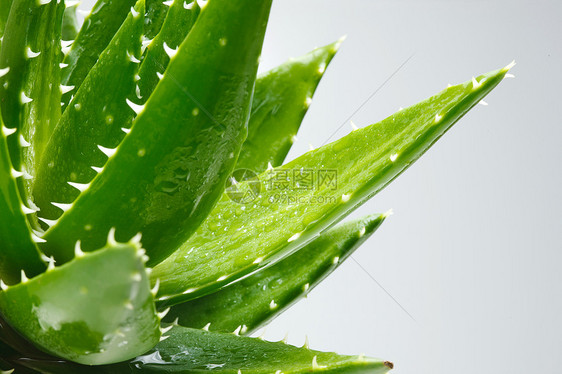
70	26
18	250
309	194
178	23
96	309
156	13
95	117
198	351
250	303
30	87
5	6
97	31
170	170
281	100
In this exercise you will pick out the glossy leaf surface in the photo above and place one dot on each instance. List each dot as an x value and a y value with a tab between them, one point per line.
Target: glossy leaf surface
282	215
281	99
30	84
95	117
257	299
96	32
17	246
70	26
179	21
196	351
96	309
169	171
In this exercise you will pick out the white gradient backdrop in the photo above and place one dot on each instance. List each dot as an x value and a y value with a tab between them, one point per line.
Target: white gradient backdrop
474	249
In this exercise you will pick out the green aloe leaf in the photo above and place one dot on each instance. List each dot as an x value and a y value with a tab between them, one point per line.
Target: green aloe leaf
179	21
97	309
97	31
18	250
73	149
252	302
70	26
197	351
292	207
30	87
281	99
170	170
5	6
156	13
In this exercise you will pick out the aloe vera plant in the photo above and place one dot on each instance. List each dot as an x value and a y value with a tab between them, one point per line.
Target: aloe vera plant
148	220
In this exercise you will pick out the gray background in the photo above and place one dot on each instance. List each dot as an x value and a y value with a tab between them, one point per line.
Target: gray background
473	251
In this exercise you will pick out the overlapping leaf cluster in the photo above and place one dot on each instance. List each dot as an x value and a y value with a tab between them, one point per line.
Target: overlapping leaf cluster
120	245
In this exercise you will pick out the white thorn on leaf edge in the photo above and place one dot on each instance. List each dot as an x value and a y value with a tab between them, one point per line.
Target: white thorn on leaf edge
111	237
66	43
136	239
135	107
23	142
65	89
202	3
37	239
24	99
4	71
170	51
294	237
79	186
475	83
206	327
163	314
510	65
315	365
7	131
24	277
78	250
63	206
107	151
48	222
30	54
237	330
133	58
3	285
27	210
164	330
134	12
16	174
51	261
156	287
